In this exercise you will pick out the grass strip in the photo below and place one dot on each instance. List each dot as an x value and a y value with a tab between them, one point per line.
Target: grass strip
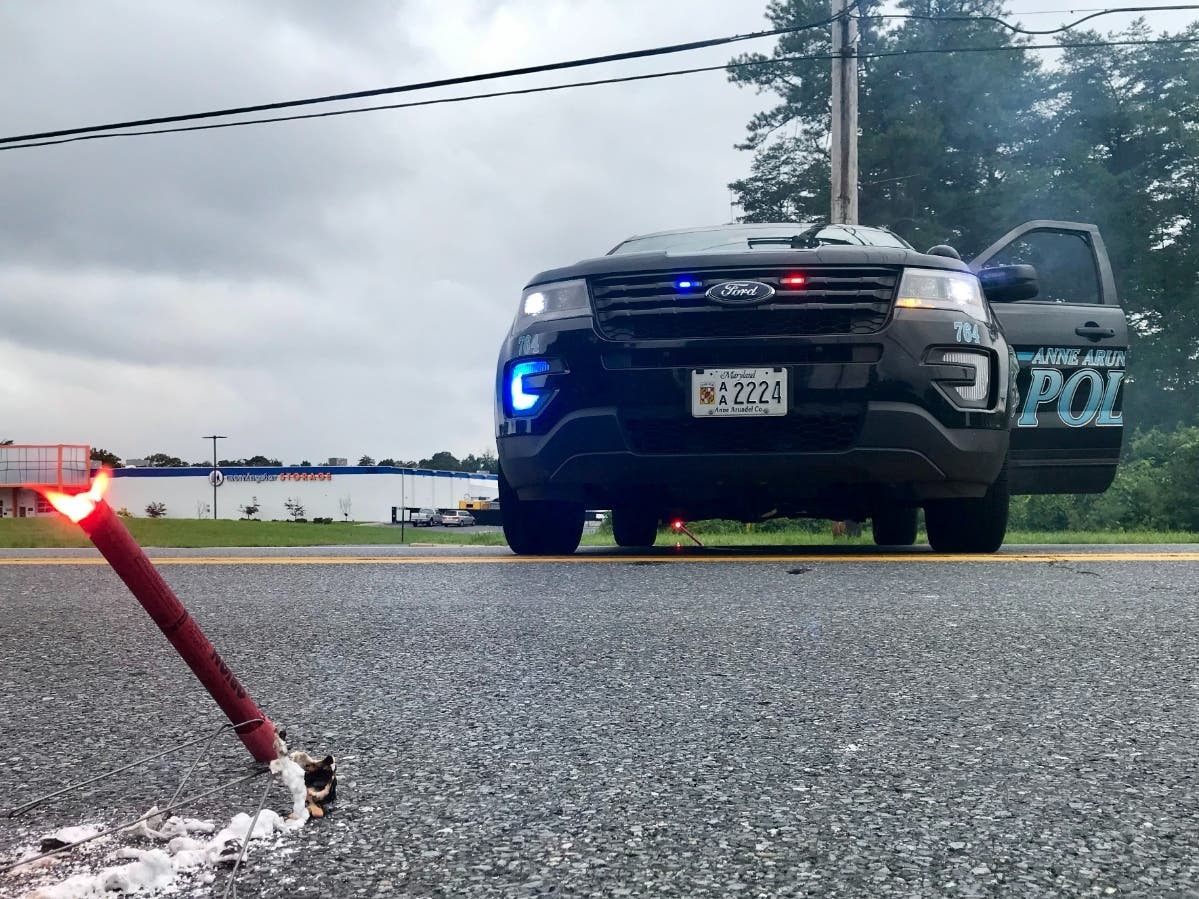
54	532
194	533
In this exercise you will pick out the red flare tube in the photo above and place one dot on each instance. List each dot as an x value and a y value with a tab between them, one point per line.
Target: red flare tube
134	567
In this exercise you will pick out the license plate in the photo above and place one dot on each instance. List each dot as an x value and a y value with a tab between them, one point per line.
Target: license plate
734	392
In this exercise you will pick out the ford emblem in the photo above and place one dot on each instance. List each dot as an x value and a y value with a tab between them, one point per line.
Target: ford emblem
740	293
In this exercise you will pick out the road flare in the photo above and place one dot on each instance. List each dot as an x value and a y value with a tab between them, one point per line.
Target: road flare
106	530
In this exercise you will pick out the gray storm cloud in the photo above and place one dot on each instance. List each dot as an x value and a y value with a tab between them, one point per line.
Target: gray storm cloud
333	287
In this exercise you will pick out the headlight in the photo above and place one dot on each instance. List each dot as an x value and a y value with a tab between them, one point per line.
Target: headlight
930	288
562	299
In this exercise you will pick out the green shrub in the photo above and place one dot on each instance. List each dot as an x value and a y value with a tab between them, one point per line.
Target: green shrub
1156	488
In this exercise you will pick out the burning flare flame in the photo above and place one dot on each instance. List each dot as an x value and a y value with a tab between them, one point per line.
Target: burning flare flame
78	506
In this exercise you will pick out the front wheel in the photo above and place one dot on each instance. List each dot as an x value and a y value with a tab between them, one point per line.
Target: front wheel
970	525
895	526
539	527
633	527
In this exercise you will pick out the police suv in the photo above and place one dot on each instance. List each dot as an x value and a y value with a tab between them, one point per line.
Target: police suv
764	370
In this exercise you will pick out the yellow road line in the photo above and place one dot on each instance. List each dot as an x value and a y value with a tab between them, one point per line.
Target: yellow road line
614	559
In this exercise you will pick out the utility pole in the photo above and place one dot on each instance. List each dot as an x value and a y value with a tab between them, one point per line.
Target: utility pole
212	474
845	116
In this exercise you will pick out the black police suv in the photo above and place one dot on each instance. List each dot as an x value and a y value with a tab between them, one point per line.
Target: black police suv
764	370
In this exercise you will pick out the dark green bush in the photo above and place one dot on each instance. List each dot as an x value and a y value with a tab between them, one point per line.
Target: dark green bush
1156	488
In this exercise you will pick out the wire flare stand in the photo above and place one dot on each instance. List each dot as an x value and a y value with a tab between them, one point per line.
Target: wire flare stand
208	740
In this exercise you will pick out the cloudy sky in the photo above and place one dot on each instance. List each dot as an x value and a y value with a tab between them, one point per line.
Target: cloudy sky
331	287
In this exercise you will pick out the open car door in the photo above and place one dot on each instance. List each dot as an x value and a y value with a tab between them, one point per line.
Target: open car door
1071	341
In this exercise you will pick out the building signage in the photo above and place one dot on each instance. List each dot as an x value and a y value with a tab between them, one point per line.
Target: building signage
282	476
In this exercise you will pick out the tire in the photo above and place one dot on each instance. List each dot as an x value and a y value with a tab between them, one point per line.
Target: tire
633	527
970	525
894	526
539	527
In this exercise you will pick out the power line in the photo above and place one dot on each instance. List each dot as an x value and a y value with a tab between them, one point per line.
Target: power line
1054	12
412	104
507	73
1020	48
425	85
1095	14
882	54
1072	12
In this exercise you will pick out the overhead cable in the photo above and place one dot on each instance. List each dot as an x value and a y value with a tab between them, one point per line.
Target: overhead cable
1031	32
426	85
42	138
882	54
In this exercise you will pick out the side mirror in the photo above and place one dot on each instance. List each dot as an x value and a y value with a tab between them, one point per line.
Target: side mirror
943	249
1009	283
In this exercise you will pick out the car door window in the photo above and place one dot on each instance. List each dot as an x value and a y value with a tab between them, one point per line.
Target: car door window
1065	264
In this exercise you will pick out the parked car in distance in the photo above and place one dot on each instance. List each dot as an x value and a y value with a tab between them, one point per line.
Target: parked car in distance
458	518
425	517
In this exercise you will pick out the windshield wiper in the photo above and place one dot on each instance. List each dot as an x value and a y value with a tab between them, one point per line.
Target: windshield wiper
804	240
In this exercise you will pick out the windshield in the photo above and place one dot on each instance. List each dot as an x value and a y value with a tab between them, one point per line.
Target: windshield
758	236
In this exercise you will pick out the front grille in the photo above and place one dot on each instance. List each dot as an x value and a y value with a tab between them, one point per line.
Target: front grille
785	434
842	299
707	354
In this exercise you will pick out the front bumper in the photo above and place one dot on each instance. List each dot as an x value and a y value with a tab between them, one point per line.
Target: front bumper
868	424
586	457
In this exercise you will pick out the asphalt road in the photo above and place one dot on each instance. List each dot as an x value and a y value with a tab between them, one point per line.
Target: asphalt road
799	724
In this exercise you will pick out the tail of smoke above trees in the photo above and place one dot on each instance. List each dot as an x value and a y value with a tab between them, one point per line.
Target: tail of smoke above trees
957	147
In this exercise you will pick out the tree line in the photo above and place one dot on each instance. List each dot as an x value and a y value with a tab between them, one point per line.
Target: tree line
439	461
443	461
958	147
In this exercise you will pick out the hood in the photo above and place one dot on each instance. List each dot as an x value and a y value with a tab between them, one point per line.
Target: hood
697	263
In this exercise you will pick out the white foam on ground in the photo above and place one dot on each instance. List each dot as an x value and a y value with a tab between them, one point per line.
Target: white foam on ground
192	846
292	776
74	834
151	870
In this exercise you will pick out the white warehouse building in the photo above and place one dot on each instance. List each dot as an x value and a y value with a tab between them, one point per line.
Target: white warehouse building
343	492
